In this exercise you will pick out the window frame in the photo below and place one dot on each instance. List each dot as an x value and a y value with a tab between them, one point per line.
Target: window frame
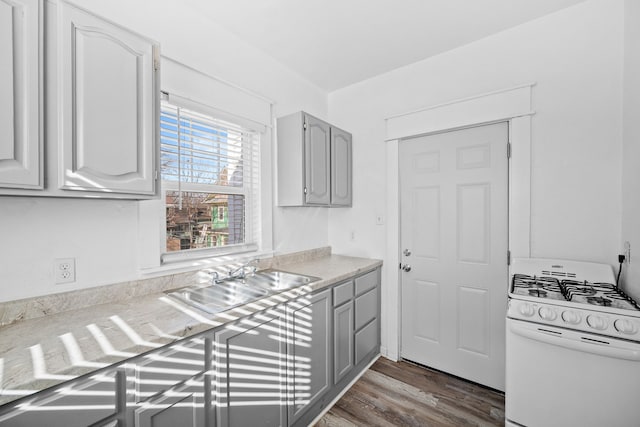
253	198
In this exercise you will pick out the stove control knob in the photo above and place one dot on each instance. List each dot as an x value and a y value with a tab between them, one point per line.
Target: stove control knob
527	310
547	313
596	322
625	326
571	317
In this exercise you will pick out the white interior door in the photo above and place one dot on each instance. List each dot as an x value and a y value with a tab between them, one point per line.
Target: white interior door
454	236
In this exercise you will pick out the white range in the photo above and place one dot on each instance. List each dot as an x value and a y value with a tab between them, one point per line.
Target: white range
573	347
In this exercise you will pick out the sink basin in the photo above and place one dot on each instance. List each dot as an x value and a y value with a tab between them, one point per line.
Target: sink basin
220	296
230	293
276	280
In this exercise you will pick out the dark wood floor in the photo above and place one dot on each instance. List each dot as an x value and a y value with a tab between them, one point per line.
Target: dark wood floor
404	394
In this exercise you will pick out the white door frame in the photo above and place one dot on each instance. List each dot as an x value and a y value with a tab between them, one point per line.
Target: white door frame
512	105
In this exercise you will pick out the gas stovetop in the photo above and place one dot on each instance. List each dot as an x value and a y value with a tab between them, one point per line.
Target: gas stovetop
572	294
583	292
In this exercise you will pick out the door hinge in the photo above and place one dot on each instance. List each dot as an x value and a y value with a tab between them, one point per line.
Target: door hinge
156	175
508	150
305	190
304	126
508	257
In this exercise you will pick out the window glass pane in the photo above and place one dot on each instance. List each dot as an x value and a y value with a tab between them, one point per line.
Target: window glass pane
204	220
199	149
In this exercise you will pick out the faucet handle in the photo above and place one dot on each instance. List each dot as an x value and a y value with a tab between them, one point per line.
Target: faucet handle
215	277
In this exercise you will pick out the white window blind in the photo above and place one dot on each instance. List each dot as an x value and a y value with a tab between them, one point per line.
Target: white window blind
210	174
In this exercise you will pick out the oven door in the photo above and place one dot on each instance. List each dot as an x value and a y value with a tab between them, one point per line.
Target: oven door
559	377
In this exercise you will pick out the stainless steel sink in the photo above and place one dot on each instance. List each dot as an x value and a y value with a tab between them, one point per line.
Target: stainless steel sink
218	297
276	280
232	292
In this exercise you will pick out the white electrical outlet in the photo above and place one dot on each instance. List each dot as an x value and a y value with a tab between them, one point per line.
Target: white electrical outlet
64	270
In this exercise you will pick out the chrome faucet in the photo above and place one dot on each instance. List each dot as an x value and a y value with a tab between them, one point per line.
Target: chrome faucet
241	272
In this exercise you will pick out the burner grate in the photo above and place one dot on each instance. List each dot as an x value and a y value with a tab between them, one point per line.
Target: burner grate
540	287
583	292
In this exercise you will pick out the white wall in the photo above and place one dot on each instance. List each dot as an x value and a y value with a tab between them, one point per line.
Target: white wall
103	235
631	146
576	57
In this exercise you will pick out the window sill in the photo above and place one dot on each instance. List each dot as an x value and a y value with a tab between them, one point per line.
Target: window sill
200	263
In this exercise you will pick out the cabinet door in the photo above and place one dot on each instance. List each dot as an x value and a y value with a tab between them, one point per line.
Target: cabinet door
20	96
342	341
160	370
92	401
250	359
309	352
182	406
108	100
341	164
316	161
367	341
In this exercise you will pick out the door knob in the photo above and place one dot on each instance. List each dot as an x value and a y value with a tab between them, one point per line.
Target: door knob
406	267
406	252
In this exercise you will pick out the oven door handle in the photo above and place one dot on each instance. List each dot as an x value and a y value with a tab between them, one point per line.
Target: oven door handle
576	341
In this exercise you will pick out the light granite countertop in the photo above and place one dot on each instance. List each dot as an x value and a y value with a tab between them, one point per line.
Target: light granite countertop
41	352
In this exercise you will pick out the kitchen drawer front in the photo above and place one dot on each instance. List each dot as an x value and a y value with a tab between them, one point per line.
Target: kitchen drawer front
82	403
366	282
366	340
342	293
161	370
366	308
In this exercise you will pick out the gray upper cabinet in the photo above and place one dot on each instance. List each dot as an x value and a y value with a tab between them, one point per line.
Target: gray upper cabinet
314	162
341	164
21	157
107	89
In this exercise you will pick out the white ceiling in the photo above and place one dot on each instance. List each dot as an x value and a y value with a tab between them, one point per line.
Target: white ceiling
335	43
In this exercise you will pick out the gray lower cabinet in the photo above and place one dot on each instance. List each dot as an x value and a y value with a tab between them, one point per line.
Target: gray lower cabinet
251	362
279	367
309	352
356	324
343	340
169	385
183	406
367	316
85	402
